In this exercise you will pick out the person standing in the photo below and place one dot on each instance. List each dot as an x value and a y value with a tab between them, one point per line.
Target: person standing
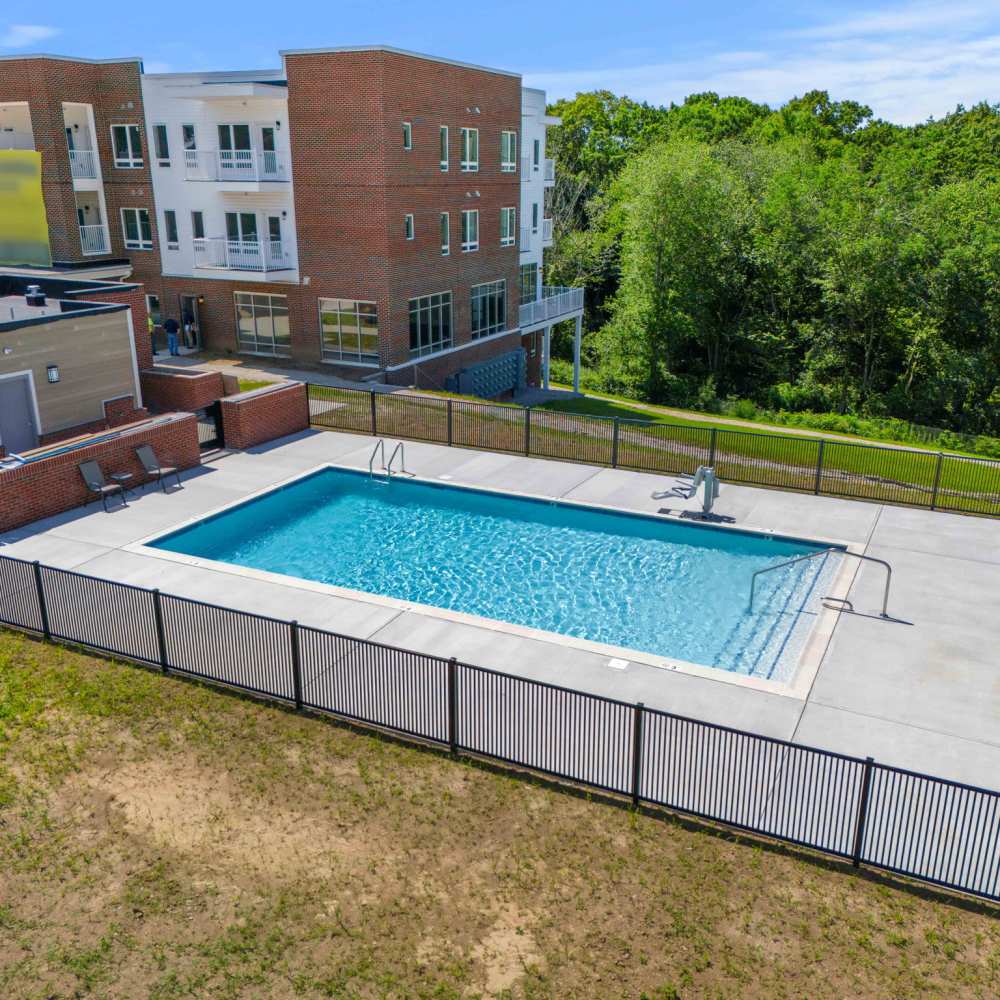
171	326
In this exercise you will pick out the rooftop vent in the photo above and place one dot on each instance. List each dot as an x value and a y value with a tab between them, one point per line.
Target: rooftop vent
34	296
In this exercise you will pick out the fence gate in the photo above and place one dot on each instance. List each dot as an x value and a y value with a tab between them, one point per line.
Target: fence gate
210	426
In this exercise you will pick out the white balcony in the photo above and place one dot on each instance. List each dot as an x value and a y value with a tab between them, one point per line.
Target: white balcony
219	253
83	163
16	140
94	240
550	172
546	232
234	165
555	304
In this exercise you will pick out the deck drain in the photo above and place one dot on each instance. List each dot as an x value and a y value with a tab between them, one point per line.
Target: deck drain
617	664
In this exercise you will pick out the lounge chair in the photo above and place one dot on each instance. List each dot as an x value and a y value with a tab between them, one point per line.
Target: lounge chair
97	484
153	468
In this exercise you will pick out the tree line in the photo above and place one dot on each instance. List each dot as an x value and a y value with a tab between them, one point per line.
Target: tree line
809	258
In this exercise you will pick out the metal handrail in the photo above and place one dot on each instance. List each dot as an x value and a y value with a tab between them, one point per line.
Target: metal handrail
379	446
826	552
402	458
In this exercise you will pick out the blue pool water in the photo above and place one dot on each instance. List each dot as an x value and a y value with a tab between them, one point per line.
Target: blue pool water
672	589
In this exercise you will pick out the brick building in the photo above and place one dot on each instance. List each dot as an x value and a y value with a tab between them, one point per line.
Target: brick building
367	209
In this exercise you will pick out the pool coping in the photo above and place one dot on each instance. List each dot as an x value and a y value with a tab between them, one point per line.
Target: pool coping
797	686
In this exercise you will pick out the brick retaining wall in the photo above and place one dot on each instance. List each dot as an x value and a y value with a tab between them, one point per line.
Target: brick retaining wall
168	390
52	485
251	418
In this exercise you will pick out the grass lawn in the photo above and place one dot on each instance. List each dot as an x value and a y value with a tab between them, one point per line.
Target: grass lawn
246	384
160	839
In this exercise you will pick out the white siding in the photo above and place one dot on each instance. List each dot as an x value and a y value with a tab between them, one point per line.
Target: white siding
532	190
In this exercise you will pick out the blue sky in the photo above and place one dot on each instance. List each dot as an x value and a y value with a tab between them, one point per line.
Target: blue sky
909	59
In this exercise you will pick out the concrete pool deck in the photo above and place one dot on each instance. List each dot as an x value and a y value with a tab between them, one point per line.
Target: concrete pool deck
924	696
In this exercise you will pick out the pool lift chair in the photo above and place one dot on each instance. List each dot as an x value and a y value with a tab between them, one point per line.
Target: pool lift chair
707	481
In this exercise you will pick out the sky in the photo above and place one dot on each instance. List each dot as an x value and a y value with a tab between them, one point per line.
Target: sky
908	60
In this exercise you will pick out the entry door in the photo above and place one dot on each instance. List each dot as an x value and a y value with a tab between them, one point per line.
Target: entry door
234	147
241	227
17	419
70	141
269	156
190	321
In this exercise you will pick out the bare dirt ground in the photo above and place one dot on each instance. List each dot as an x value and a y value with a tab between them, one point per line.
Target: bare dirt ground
159	839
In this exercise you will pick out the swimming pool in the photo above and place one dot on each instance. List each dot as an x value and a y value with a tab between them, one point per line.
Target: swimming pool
640	582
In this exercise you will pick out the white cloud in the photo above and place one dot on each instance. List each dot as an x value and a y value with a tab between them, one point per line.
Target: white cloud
20	36
907	62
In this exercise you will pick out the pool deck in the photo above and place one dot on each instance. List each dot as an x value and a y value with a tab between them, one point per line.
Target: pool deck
923	693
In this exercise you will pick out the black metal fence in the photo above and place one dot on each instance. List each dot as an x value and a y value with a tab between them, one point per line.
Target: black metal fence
935	480
913	824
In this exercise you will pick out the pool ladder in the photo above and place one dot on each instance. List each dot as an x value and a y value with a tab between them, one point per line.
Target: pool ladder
387	466
845	604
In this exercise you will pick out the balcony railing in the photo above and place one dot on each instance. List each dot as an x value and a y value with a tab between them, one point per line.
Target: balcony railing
546	232
94	239
240	255
83	163
16	140
550	171
234	165
525	243
554	304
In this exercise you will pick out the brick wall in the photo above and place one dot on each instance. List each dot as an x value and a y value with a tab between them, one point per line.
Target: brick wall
52	485
432	374
165	390
251	418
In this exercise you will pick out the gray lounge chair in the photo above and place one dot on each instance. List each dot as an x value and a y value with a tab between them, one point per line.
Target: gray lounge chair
98	485
153	468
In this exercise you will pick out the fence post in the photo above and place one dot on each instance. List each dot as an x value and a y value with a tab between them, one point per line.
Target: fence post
711	447
452	705
450	438
42	609
937	480
296	664
374	421
614	445
636	753
527	430
161	637
859	826
819	466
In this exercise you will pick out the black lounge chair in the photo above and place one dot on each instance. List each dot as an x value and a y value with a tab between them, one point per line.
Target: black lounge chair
98	485
153	468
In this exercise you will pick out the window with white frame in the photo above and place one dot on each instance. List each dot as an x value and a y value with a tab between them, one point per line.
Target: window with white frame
136	228
407	136
262	323
189	137
127	145
470	150
488	308
444	147
161	145
508	152
536	153
528	280
430	323
534	217
349	331
408	225
170	228
508	221
198	225
445	234
470	230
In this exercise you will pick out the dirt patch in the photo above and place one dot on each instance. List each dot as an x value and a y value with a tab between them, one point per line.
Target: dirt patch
509	950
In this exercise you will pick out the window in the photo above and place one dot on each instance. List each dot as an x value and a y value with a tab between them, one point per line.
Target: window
198	225
127	146
445	234
161	145
349	331
430	323
534	217
170	228
528	280
444	147
408	225
187	133
508	152
262	323
137	229
470	230
407	136
470	150
536	153
489	308
507	226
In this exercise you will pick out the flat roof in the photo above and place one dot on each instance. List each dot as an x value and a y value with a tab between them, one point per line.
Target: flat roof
75	59
399	52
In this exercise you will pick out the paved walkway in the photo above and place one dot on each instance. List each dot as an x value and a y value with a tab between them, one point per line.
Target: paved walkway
924	695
